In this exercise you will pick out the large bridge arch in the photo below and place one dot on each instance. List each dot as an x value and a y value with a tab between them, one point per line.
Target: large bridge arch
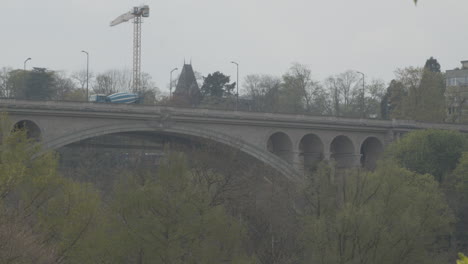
268	158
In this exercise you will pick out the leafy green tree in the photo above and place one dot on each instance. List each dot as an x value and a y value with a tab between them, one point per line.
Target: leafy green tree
18	171
168	217
460	177
63	214
432	65
15	83
40	85
217	85
392	106
37	84
435	152
441	154
456	189
427	101
391	215
418	93
74	222
463	259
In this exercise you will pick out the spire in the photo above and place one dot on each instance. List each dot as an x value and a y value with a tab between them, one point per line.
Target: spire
187	86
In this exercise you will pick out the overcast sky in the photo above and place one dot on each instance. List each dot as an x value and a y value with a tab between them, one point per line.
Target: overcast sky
264	36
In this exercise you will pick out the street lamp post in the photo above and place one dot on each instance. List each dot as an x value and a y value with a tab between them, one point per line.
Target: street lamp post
170	83
24	64
237	84
362	93
87	74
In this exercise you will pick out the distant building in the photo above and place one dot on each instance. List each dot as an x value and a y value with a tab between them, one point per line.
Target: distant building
187	91
456	94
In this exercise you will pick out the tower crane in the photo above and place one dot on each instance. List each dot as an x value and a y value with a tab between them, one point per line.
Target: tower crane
137	13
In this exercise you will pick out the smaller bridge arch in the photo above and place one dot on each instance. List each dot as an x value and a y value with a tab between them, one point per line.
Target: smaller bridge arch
32	129
281	145
371	150
342	151
311	150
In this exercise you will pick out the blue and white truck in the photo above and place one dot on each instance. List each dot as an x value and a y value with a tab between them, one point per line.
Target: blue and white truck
117	98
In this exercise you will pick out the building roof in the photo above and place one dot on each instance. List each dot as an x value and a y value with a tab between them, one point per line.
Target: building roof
457	73
187	89
187	81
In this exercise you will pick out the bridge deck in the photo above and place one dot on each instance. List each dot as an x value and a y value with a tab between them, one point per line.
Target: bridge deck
216	116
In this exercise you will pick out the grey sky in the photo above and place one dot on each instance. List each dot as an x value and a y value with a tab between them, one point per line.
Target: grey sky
264	36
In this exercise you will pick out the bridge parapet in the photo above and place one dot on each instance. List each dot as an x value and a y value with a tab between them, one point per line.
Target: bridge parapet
292	119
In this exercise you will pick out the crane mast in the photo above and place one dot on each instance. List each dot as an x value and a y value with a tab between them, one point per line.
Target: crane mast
136	14
137	54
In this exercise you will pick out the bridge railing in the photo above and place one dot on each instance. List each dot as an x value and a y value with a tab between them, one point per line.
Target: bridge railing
8	103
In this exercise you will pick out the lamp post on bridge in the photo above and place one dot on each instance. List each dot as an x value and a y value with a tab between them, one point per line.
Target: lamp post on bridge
24	64
170	83
362	92
87	74
237	84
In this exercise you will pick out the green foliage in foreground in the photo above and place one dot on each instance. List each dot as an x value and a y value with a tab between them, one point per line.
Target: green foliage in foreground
392	215
168	218
165	217
19	198
389	216
435	152
463	259
456	189
444	155
459	179
59	215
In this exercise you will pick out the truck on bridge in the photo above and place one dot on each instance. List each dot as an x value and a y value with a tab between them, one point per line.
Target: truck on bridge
118	98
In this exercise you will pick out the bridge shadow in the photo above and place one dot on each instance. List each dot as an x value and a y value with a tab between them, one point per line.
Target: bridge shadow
102	159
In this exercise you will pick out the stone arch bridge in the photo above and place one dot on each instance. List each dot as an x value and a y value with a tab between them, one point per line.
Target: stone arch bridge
288	143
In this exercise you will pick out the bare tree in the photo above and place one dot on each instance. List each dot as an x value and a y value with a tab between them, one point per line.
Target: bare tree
149	92
81	78
344	87
301	76
263	91
5	85
113	81
374	94
332	87
63	85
